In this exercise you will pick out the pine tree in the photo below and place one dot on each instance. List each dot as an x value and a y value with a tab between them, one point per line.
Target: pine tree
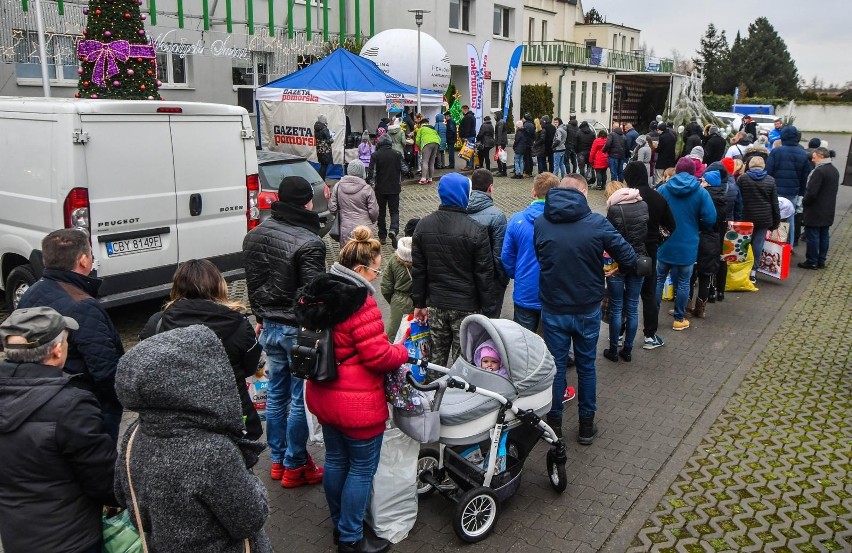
734	66
116	59
766	66
713	59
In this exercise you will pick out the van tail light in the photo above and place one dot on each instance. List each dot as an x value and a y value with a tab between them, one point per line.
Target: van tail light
266	199
76	209
253	199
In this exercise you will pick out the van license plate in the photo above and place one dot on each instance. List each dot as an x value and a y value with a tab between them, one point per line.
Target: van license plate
134	245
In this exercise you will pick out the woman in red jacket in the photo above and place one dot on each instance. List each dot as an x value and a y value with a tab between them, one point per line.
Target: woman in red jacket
352	409
599	160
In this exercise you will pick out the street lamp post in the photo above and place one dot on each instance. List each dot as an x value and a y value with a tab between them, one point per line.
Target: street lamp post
418	18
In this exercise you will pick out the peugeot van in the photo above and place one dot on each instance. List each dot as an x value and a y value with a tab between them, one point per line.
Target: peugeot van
154	183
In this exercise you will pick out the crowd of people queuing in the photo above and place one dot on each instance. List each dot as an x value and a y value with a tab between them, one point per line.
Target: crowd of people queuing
189	456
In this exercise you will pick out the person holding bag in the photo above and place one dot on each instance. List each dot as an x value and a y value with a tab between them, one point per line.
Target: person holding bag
352	409
184	469
396	285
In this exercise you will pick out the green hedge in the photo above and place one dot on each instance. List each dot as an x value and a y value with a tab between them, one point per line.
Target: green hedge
537	100
723	102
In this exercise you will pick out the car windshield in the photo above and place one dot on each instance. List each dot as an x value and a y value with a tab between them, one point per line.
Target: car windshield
271	174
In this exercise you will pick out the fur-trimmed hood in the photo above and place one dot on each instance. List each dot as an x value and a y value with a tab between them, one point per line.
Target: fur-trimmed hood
328	300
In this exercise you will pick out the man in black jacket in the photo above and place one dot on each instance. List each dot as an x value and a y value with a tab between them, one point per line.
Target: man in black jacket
585	137
386	164
616	149
569	242
467	128
571	144
665	151
451	139
453	269
502	140
57	460
94	350
819	202
549	133
282	254
529	128
714	148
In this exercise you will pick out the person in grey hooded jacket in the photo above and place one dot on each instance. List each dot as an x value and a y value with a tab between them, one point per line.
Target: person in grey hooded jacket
189	464
481	209
354	201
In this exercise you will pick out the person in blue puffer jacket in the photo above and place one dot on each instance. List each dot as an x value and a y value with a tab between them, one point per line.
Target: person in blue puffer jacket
789	165
693	211
519	258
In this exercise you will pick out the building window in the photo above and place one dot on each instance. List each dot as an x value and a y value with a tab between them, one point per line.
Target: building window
631	44
543	30
583	88
623	43
531	30
249	73
171	69
573	104
60	51
594	97
460	15
603	96
614	42
498	88
502	18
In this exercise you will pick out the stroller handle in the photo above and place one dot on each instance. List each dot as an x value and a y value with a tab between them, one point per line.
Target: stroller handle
425	364
431	387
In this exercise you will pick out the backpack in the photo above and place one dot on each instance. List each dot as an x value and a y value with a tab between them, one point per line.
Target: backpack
313	355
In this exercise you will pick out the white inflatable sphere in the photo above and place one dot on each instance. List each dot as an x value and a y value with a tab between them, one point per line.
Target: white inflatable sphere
395	52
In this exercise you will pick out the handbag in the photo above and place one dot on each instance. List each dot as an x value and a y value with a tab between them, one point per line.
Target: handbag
735	245
644	264
334	231
590	174
497	153
313	355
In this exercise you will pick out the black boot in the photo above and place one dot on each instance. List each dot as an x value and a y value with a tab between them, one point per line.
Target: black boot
711	297
611	353
588	430
367	544
555	423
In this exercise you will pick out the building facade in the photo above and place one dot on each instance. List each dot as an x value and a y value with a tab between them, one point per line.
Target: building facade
577	59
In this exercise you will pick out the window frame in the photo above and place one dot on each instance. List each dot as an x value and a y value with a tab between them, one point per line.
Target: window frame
544	30
594	96
505	14
501	89
53	52
256	60
531	30
462	13
584	86
573	96
603	97
168	82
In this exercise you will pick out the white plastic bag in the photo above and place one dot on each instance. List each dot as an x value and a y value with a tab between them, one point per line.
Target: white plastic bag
314	427
393	504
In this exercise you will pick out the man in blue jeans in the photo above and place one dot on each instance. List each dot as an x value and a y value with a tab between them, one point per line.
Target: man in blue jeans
569	242
693	211
281	255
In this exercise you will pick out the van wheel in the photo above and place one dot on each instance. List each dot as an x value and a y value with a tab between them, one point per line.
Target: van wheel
18	282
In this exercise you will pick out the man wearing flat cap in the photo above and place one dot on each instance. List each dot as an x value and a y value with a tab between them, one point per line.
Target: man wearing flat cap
282	254
57	459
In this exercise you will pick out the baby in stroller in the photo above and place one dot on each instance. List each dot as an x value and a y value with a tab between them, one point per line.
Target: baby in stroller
491	405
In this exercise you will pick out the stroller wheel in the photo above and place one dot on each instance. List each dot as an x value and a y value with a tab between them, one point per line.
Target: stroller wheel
476	512
556	472
428	460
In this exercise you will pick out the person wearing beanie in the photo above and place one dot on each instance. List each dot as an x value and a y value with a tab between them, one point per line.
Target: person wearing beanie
385	166
714	146
365	152
819	203
643	154
484	142
659	217
396	285
760	206
530	132
353	201
323	139
697	156
501	140
282	254
790	166
734	204
181	440
616	151
693	210
691	140
520	147
709	244
441	129
487	358
453	267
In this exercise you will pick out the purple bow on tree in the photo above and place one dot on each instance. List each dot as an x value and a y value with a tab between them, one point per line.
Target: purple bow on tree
104	55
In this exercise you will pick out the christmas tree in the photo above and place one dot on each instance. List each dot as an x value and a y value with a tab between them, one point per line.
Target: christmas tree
116	59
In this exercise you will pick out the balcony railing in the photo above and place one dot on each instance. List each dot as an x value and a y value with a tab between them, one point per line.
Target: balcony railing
578	55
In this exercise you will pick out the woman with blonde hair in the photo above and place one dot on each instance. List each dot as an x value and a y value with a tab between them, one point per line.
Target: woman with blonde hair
352	408
199	295
628	213
538	146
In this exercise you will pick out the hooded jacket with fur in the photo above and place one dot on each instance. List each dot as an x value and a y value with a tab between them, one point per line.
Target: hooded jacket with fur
354	403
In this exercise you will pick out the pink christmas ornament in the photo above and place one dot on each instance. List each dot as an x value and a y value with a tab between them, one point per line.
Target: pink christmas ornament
116	83
107	34
130	72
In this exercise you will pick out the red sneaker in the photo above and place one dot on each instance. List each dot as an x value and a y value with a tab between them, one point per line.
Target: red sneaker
569	394
309	473
277	471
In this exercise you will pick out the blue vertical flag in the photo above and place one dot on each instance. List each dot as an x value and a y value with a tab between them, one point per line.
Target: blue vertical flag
514	63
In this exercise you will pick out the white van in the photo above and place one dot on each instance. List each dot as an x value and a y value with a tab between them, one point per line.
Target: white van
154	183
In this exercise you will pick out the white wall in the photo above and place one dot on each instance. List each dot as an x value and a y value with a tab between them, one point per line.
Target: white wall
562	106
814	118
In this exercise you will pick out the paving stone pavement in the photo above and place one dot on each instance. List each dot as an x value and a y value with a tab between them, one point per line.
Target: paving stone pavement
648	411
774	473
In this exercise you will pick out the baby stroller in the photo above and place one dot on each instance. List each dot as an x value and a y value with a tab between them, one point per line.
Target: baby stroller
476	406
410	158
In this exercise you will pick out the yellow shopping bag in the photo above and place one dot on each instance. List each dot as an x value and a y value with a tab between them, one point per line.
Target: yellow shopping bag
668	288
738	275
466	151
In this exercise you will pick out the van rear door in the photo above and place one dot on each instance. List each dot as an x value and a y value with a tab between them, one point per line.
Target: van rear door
131	185
210	179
